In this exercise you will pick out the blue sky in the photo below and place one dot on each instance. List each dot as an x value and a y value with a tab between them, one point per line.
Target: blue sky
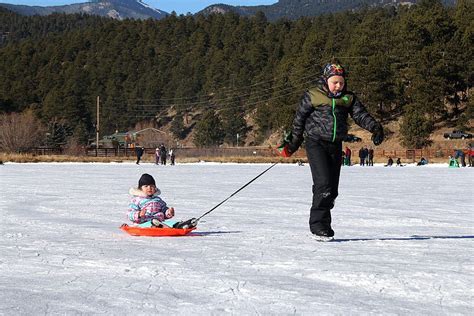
180	6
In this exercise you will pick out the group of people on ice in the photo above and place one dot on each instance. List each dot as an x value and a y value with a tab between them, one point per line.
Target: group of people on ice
390	162
366	156
160	155
458	159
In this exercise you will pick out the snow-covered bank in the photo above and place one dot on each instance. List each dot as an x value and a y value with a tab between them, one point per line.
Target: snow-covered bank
404	242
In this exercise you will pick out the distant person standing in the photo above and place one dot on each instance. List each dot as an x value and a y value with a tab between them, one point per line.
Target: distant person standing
470	154
370	155
348	156
172	156
157	156
460	154
139	150
362	156
163	154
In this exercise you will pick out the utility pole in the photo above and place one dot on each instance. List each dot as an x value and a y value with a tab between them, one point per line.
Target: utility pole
97	129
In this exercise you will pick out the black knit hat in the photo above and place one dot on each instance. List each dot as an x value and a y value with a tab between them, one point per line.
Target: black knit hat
146	179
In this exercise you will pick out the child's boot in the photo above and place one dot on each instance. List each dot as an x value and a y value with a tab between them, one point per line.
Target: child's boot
190	223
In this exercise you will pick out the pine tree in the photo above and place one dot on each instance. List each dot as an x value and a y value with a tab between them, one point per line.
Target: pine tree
234	125
209	131
416	127
177	126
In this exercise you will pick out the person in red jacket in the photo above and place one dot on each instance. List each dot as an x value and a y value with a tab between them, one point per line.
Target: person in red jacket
470	155
348	153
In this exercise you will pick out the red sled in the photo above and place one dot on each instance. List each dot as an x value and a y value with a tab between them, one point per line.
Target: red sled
155	231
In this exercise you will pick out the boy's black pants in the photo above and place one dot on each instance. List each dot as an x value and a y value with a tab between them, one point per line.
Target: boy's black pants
325	161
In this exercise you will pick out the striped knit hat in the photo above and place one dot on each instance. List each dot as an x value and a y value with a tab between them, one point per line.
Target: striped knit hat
330	70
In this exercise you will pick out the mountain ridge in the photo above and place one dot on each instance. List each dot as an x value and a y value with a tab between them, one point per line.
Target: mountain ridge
294	9
117	9
137	9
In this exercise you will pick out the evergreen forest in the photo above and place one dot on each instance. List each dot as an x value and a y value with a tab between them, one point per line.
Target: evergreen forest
214	74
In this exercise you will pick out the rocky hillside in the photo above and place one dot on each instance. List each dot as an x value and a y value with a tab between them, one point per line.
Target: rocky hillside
294	9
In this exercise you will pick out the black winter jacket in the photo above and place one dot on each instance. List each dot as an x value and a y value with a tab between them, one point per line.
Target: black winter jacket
321	117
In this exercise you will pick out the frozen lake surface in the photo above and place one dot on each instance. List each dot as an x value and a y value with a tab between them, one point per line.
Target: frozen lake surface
404	242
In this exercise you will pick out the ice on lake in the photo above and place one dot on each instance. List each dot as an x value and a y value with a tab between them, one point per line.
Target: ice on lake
404	242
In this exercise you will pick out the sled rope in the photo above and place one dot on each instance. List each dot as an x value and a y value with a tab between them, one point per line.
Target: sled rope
212	209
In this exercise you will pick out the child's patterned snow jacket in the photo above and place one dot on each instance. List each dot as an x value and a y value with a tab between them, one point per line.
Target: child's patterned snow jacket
153	205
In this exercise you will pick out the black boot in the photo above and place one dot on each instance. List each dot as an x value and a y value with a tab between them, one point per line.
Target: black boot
324	234
190	223
157	223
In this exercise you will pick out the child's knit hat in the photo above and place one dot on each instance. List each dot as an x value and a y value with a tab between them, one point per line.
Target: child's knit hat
146	179
330	70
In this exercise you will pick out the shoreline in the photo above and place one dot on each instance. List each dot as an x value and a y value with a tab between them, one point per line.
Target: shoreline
28	158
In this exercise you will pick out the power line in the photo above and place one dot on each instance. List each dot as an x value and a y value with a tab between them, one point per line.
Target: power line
221	107
290	74
228	99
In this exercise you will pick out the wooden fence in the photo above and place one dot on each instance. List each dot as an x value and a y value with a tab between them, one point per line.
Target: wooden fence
188	152
41	151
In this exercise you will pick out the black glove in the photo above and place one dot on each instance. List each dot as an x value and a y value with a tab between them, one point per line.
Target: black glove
377	136
351	138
